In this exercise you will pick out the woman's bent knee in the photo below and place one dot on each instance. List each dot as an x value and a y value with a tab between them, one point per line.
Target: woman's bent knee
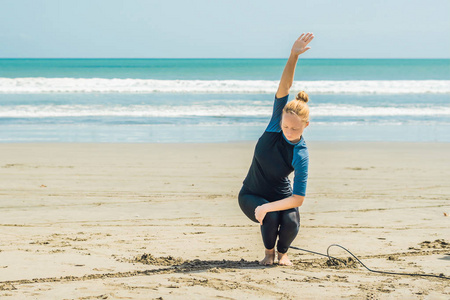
248	203
272	219
291	220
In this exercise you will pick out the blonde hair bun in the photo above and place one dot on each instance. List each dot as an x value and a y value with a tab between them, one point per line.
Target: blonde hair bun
303	96
299	106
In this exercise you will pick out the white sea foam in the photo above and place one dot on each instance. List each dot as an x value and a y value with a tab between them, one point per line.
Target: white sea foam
39	111
355	110
116	85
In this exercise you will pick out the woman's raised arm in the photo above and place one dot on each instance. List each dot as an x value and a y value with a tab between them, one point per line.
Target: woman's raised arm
287	78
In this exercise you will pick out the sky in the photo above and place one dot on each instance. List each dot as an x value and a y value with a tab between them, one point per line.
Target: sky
223	28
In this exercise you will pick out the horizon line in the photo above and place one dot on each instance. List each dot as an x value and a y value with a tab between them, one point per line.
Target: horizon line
221	58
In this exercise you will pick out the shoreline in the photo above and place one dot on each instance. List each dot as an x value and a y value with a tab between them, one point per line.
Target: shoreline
215	143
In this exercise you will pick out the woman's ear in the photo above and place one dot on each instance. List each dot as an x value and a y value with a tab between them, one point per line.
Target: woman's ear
281	120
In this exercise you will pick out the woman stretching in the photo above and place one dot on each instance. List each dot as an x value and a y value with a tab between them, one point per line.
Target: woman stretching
266	196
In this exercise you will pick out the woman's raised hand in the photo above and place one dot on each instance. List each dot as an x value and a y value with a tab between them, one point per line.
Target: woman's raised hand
300	44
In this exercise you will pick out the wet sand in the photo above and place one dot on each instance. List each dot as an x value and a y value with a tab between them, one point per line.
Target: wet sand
161	221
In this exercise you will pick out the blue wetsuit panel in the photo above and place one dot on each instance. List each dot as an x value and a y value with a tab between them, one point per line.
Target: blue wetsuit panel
275	158
278	105
300	163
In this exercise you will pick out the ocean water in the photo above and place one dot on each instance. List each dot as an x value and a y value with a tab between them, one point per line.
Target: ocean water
220	100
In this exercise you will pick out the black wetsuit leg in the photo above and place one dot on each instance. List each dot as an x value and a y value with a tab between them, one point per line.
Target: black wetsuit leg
284	224
289	227
269	230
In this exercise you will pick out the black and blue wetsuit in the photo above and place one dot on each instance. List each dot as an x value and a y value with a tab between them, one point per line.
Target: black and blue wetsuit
267	180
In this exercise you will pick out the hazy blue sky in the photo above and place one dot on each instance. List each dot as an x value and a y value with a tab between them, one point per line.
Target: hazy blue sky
233	28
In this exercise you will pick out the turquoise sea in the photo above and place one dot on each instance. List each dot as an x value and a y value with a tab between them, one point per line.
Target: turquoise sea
220	100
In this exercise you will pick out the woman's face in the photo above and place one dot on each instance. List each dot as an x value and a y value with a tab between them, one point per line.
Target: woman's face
292	127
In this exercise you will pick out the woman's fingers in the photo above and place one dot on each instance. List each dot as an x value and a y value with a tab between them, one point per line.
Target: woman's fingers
260	214
308	37
300	44
305	39
257	215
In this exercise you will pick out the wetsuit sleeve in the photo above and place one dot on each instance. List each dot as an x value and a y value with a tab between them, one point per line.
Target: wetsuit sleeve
300	164
278	105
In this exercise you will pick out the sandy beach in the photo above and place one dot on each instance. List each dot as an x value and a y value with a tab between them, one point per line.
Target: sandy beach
161	221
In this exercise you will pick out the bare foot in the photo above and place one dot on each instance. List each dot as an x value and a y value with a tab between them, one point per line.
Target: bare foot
283	259
270	257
